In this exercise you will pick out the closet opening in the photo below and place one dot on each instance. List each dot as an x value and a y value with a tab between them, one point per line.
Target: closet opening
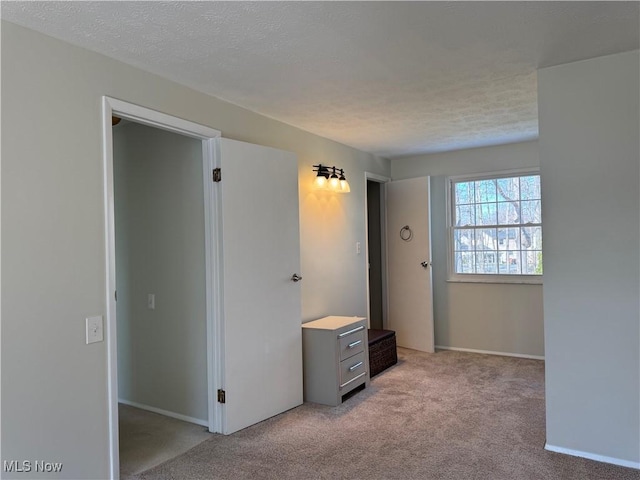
161	294
163	352
376	251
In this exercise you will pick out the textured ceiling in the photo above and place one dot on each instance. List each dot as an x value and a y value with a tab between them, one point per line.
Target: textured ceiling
391	78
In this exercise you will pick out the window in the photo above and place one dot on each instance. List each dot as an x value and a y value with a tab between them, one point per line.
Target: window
496	228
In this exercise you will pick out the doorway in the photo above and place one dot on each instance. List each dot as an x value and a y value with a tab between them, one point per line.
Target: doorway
205	137
161	305
376	250
250	377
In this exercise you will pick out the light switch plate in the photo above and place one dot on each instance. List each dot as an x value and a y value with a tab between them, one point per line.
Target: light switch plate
94	331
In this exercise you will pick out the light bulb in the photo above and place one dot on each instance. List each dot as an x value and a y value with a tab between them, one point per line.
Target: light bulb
344	185
320	181
334	182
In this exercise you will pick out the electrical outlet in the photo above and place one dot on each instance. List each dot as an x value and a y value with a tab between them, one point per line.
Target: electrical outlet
358	249
94	331
151	301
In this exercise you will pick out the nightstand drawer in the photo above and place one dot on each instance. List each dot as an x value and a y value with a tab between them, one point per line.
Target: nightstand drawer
352	343
352	368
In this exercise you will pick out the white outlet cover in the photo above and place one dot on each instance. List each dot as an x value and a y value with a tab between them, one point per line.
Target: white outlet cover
94	330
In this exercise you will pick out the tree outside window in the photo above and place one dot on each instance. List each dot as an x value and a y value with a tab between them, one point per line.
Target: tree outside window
496	225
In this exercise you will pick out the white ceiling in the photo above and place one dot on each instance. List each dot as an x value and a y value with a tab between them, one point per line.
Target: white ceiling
391	78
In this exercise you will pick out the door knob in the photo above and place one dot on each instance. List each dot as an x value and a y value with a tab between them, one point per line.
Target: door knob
296	278
424	264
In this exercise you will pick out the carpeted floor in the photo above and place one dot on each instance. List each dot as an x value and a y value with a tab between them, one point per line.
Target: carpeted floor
448	415
148	439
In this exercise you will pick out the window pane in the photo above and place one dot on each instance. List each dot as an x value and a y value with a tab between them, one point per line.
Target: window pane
508	189
486	262
503	264
530	187
538	269
486	214
486	191
465	262
532	262
508	213
464	192
465	215
486	239
532	238
508	239
531	212
463	239
513	261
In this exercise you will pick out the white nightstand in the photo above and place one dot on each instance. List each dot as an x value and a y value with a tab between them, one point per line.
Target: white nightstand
336	358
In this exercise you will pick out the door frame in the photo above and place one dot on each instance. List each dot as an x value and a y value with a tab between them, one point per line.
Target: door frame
374	177
213	257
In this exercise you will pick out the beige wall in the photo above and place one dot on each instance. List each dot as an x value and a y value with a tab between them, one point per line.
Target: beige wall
160	250
54	388
590	166
494	317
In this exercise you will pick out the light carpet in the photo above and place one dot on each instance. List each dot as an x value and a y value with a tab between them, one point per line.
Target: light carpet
148	439
449	415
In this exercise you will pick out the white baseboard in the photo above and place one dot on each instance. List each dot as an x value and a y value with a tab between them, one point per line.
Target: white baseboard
166	413
593	456
489	352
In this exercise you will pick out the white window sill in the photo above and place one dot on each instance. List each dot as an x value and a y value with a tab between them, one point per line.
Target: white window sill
498	279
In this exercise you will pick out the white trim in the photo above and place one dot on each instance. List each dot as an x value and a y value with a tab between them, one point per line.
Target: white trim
110	317
214	282
111	106
490	352
207	169
513	172
383	239
156	119
377	178
495	278
592	456
166	413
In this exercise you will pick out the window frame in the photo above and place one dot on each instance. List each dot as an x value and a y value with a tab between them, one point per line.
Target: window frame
450	204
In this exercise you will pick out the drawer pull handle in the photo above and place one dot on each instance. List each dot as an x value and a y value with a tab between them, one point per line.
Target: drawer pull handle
352	380
355	367
349	332
353	344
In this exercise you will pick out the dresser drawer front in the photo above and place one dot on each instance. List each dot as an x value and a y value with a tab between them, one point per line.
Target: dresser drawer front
352	343
352	369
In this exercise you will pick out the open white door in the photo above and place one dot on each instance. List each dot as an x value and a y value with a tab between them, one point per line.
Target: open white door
261	324
409	263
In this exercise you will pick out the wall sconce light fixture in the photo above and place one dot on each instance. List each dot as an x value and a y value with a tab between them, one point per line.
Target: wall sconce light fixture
331	178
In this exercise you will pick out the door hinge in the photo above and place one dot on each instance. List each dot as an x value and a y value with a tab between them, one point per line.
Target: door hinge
221	396
217	175
115	294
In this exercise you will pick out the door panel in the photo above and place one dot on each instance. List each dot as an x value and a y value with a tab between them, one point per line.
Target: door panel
262	308
410	284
